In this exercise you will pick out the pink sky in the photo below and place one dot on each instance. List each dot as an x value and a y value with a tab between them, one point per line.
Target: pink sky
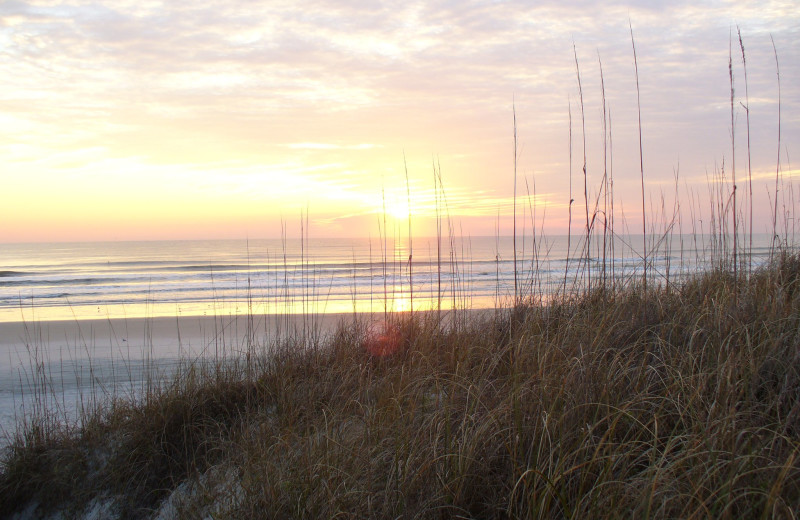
160	120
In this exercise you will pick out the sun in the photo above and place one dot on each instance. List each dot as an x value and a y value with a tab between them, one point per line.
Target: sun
397	209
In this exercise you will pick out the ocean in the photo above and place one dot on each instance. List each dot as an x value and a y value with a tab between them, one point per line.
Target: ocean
79	281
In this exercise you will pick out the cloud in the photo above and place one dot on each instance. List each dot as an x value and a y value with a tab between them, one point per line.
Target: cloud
330	146
358	83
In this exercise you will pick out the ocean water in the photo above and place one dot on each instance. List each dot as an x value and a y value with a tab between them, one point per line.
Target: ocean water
192	278
79	303
78	281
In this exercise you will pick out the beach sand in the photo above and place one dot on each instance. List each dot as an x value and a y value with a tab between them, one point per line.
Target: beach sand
67	364
160	336
172	336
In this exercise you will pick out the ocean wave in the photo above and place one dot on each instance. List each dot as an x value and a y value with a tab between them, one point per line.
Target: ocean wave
8	274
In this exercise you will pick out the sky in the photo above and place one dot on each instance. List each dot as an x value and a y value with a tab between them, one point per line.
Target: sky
143	120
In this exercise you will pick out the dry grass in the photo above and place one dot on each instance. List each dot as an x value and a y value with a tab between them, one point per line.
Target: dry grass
658	404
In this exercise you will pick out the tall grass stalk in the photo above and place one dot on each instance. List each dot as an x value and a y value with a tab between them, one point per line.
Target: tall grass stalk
778	159
749	162
641	157
733	167
410	242
437	185
604	183
571	201
587	250
514	239
611	197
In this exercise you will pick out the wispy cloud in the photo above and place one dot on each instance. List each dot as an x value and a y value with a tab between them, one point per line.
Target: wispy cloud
170	85
331	146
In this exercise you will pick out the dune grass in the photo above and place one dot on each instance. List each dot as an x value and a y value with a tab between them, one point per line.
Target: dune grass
671	402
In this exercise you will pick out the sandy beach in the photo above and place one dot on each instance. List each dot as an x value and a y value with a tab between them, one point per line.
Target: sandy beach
170	336
159	336
68	363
